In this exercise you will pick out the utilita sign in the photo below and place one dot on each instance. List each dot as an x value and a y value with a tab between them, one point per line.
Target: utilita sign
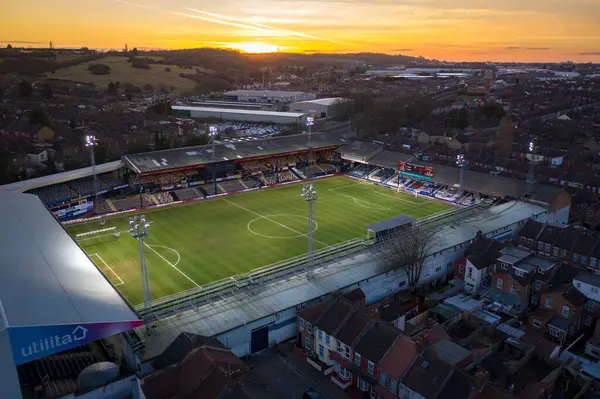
35	342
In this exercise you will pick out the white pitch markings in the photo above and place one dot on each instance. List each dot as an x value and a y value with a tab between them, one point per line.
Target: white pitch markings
170	264
121	282
373	205
274	221
399	199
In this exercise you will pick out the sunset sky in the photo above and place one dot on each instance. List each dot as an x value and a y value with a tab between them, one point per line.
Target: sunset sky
495	30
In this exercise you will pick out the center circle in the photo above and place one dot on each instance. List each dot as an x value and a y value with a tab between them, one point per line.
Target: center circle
279	221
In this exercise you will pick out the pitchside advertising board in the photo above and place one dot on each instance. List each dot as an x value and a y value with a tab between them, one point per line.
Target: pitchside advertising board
35	342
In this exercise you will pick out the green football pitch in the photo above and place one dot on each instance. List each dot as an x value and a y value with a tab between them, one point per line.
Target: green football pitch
201	242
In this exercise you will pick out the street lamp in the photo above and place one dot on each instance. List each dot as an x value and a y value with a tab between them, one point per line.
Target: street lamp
91	142
310	195
212	132
138	228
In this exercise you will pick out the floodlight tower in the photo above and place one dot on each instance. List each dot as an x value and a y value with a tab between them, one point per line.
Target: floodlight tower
138	227
310	121
531	171
91	142
310	195
212	132
460	162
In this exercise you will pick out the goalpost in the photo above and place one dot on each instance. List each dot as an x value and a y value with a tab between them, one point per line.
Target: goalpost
96	232
97	236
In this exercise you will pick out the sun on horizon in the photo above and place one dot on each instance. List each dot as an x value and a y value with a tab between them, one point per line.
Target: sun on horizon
254	47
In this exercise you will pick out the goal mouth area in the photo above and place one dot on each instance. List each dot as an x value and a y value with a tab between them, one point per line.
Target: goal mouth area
96	237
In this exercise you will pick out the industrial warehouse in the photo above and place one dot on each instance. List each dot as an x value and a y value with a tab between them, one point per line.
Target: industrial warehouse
241	115
267	96
334	107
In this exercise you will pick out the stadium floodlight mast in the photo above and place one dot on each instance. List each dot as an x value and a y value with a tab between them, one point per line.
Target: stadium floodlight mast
310	195
531	170
212	132
91	142
138	227
460	162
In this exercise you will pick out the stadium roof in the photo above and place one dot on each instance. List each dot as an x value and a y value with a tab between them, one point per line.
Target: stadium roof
62	177
223	315
389	224
200	155
359	150
47	282
237	111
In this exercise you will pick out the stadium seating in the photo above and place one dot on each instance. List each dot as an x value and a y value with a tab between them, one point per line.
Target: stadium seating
52	194
188	194
381	175
361	170
232	185
57	374
257	166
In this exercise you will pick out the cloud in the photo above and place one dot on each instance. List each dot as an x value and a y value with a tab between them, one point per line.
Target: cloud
311	51
537	48
20	42
478	53
512	48
589	53
400	50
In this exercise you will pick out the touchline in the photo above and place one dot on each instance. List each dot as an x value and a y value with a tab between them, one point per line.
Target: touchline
79	333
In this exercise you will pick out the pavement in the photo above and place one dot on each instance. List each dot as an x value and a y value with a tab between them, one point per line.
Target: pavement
288	375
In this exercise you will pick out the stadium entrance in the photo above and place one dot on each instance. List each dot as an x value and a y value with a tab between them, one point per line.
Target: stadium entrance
259	339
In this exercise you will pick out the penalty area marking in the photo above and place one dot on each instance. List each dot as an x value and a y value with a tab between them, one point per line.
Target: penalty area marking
121	282
400	199
266	217
174	266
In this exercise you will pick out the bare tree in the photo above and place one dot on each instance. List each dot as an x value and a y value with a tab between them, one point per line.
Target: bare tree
406	250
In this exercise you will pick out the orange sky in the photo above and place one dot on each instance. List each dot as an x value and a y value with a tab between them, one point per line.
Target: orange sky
494	30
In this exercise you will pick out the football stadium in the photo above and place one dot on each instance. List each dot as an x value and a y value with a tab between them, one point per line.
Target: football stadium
192	244
234	238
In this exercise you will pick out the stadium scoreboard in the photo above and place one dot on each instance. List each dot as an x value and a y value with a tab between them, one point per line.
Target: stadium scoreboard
415	170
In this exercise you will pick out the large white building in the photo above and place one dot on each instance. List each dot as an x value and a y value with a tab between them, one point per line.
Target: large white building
240	115
267	96
324	107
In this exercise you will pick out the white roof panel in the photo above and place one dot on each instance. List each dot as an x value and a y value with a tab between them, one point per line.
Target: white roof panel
230	111
45	278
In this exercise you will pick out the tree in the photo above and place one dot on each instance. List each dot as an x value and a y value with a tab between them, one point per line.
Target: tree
38	116
407	250
134	51
148	87
9	46
25	89
47	91
50	166
112	89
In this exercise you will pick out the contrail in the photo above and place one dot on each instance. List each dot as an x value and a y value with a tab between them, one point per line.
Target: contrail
230	21
263	26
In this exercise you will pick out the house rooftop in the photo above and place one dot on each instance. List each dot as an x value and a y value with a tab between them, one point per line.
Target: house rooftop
377	341
427	375
450	352
531	229
588	278
399	358
334	315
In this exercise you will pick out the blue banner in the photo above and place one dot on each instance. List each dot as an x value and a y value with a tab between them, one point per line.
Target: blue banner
35	342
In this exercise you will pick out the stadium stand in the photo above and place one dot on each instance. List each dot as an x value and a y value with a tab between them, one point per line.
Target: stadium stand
381	175
361	170
232	185
188	194
57	374
52	194
257	166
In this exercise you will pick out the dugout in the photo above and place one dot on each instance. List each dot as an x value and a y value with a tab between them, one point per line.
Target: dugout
381	230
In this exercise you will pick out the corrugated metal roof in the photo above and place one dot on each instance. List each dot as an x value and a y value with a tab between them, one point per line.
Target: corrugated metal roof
229	313
45	278
62	177
237	111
